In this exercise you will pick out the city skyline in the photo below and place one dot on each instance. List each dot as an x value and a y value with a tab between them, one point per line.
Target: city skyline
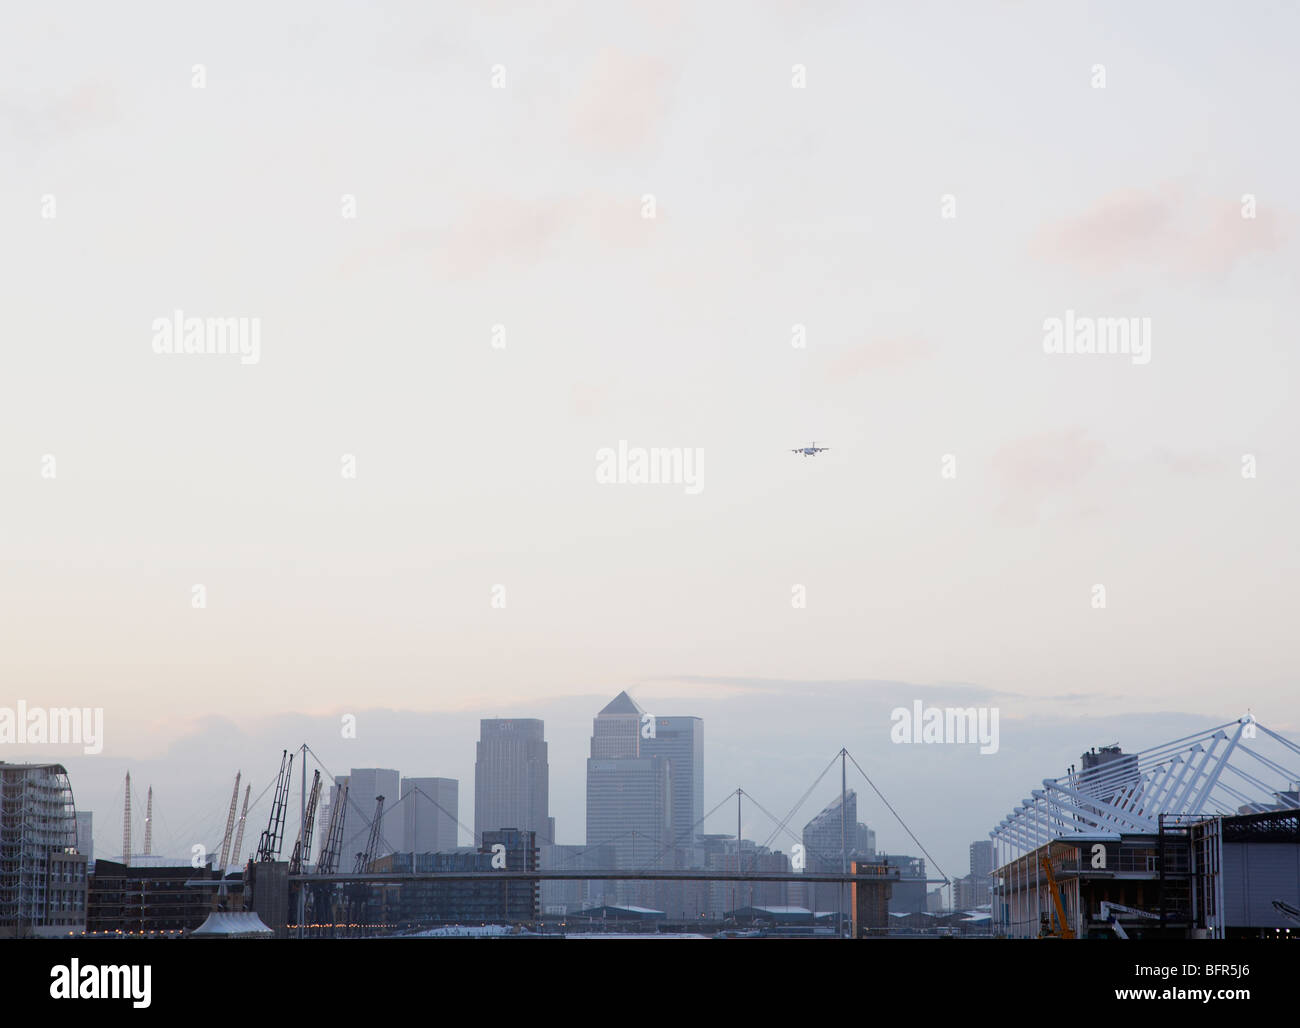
906	772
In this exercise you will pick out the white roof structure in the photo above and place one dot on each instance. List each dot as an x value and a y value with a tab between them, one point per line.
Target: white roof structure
1228	769
232	925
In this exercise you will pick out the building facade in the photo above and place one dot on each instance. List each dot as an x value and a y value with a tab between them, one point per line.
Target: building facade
429	814
432	902
365	786
680	742
128	899
42	876
512	778
629	799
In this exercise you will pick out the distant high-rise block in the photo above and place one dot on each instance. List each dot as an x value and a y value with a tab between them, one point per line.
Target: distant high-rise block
616	731
512	778
629	796
827	840
429	814
680	741
365	785
85	834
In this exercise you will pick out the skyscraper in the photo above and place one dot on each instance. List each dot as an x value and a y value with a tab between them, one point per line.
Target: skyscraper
429	813
511	778
365	786
680	741
629	804
825	839
86	835
981	870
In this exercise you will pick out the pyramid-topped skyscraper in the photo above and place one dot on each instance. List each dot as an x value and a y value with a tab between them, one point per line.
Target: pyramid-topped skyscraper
628	797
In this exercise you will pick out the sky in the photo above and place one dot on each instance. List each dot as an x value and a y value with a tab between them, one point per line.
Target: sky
910	191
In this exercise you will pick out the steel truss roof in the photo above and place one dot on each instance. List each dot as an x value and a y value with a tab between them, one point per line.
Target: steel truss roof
1220	771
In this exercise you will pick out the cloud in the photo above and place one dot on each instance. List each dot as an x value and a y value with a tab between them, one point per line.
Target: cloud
879	355
1188	463
1167	228
44	119
1035	468
501	229
623	105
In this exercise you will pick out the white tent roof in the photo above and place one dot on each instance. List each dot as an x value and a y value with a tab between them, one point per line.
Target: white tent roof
233	924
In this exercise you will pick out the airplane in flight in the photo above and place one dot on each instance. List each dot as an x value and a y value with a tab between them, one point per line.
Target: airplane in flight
811	449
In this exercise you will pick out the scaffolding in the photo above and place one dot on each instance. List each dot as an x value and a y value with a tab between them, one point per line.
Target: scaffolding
37	819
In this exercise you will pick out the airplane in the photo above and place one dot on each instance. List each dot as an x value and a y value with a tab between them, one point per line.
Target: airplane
811	449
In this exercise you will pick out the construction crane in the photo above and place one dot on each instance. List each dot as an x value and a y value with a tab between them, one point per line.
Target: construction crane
302	848
268	847
126	824
358	895
322	895
148	824
230	827
1064	931
365	859
328	863
1110	910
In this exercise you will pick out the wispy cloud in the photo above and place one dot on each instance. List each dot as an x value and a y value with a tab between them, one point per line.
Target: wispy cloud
1167	228
624	103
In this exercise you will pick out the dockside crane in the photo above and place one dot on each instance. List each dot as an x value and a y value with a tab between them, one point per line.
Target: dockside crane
358	895
302	848
365	859
322	894
328	863
268	847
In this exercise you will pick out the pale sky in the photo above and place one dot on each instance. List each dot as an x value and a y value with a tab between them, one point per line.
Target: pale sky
521	206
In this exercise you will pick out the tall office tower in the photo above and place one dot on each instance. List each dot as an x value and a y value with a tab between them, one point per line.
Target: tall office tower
680	741
981	871
365	785
429	815
85	835
616	731
511	778
825	838
1109	774
866	842
629	805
